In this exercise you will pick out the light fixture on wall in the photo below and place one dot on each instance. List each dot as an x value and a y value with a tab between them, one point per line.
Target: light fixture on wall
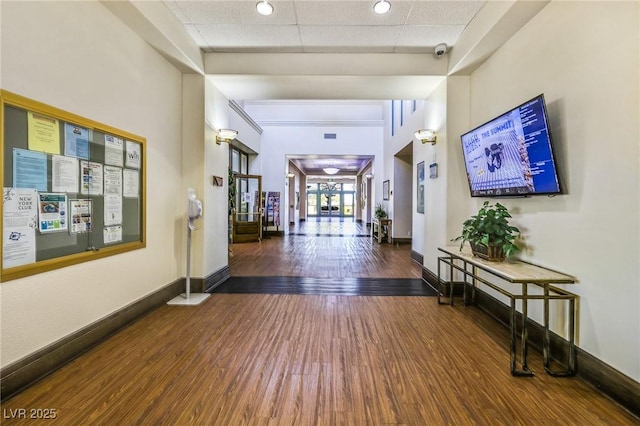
290	175
426	135
382	7
331	170
264	8
368	176
225	135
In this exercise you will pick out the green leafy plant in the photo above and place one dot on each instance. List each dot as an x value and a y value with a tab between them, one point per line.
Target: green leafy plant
380	212
490	227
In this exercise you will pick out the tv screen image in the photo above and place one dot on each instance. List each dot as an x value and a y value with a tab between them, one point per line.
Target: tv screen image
512	154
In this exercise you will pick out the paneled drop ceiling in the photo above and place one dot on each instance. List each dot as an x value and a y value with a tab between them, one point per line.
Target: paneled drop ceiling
320	26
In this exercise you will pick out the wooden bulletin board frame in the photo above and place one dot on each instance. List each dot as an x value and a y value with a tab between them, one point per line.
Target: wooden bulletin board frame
115	224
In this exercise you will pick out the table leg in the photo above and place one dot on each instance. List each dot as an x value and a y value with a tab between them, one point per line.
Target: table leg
546	351
464	283
439	282
514	337
545	339
525	336
474	283
572	336
451	282
512	346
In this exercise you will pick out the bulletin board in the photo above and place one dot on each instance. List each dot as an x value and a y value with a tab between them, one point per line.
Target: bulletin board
73	189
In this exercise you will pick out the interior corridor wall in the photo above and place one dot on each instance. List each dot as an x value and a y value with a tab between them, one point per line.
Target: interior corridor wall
79	57
434	218
216	163
584	57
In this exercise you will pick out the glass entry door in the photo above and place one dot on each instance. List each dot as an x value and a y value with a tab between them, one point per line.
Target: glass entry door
331	200
247	217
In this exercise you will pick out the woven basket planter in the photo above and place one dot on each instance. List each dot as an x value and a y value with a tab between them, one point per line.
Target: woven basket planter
491	253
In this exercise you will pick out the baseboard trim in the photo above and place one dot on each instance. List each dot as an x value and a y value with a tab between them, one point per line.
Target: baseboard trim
23	373
417	257
612	383
402	240
432	279
214	280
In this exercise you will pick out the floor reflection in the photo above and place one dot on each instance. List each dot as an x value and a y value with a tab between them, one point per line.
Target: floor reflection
330	227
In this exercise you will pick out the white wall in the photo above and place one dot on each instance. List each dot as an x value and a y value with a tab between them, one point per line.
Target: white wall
402	189
584	56
78	57
435	206
216	163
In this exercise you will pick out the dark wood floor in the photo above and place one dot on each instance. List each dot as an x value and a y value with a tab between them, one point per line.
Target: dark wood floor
282	359
323	257
327	286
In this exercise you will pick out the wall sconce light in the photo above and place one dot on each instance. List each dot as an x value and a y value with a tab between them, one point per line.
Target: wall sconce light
264	8
225	135
290	175
382	7
426	135
368	176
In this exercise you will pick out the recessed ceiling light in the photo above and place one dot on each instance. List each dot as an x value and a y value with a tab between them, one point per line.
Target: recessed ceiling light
264	8
382	7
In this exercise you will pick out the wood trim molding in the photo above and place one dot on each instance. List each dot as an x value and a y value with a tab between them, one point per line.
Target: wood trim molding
417	257
402	240
217	278
612	383
23	373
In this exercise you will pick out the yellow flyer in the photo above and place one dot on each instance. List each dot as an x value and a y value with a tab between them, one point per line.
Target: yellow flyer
44	133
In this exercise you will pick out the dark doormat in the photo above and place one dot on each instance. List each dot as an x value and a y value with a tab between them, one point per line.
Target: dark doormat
326	286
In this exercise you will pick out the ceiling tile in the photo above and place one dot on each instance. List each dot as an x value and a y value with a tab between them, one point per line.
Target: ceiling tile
443	12
249	36
429	35
348	36
231	12
349	13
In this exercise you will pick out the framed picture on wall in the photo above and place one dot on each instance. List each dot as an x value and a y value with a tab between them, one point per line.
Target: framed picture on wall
420	188
385	190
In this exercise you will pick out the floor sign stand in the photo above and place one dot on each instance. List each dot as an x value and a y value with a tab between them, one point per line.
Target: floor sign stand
194	211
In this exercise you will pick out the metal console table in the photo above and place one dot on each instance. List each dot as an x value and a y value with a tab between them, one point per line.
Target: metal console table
517	272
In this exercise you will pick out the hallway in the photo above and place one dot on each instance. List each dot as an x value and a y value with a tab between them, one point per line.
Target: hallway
315	357
325	248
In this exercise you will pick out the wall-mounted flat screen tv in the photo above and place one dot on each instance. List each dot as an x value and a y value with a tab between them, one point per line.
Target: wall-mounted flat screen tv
512	155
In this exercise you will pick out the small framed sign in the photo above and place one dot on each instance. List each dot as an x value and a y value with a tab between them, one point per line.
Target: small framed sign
433	170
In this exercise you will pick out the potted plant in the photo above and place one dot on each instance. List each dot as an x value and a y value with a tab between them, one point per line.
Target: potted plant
489	233
380	212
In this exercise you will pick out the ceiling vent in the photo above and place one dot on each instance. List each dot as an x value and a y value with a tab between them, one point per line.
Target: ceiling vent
330	136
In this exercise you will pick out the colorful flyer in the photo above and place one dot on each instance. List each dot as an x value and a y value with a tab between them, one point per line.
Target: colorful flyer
44	133
52	212
81	216
91	180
